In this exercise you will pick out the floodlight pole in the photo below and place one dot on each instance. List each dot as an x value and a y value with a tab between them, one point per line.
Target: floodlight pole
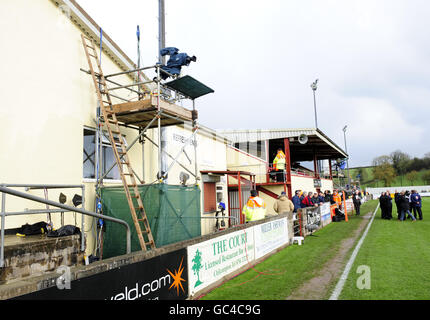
347	159
314	88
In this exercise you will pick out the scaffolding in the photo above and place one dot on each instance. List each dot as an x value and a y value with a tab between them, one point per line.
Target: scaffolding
152	109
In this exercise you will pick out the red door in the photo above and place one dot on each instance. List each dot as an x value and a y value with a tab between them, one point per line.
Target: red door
209	194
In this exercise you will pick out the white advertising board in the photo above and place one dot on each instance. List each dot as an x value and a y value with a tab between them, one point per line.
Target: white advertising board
270	236
325	211
213	259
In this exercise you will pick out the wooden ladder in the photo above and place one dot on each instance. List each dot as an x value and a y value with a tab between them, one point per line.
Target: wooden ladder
138	213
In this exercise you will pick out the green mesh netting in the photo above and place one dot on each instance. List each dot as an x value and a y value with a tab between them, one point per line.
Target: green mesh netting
173	213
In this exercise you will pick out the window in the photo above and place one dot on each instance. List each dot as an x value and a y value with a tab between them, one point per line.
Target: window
106	154
257	148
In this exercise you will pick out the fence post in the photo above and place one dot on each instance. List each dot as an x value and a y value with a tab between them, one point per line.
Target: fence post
3	213
344	206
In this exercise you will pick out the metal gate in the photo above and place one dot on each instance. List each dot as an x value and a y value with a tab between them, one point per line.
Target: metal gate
236	202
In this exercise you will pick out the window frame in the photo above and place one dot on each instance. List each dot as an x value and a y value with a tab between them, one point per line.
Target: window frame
106	146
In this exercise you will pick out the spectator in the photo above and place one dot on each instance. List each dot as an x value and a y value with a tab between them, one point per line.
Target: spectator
416	204
296	201
315	199
404	206
327	196
302	199
283	205
321	198
396	201
383	205
356	199
307	201
389	202
336	199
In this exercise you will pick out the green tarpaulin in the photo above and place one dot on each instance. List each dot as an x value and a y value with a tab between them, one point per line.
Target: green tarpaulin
173	213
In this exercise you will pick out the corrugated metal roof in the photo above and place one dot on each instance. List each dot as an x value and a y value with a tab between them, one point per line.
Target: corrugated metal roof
239	136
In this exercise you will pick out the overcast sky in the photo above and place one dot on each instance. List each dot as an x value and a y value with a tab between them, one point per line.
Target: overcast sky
372	59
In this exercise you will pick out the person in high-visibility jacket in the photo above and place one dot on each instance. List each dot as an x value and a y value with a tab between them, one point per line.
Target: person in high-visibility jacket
336	198
279	165
255	208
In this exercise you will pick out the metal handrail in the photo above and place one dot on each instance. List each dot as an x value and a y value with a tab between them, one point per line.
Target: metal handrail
4	190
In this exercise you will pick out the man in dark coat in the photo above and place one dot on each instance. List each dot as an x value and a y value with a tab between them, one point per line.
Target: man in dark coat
327	196
389	205
397	202
416	204
404	206
356	199
296	201
382	204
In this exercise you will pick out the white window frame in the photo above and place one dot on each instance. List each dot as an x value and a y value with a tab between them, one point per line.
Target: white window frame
106	144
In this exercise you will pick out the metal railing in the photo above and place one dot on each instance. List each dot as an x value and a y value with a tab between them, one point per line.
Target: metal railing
6	189
212	225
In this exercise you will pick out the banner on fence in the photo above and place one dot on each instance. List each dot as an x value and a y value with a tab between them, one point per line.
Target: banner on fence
325	211
163	277
213	259
270	236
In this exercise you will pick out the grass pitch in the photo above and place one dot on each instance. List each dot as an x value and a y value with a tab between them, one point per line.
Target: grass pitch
279	275
397	254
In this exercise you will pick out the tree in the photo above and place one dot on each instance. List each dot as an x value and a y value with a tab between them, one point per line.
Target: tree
412	176
382	160
400	161
385	172
426	176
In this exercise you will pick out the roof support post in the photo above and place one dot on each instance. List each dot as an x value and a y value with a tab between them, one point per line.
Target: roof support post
240	199
317	175
287	182
330	168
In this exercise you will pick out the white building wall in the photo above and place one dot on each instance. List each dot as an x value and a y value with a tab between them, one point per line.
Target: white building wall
46	103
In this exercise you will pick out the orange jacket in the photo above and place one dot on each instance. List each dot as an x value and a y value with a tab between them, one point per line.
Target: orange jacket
337	199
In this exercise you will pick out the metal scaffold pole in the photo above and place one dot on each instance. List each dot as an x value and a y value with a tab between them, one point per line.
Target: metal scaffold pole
195	143
159	123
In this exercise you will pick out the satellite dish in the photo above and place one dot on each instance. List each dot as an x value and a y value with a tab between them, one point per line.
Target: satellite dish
62	198
183	177
77	200
303	139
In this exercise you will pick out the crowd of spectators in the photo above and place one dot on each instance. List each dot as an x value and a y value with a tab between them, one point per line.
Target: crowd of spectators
406	202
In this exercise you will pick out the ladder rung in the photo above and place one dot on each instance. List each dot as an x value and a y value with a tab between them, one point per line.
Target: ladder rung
127	174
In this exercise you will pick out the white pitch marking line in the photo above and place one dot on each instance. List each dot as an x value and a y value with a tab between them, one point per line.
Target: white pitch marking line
336	293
